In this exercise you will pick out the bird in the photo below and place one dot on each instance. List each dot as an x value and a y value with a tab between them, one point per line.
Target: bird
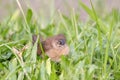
54	47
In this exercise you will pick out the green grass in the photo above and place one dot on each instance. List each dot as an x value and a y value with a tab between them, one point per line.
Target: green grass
94	46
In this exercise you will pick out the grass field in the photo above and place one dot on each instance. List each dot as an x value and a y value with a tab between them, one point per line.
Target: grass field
94	46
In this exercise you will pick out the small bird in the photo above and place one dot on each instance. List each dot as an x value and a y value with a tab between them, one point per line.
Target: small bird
54	47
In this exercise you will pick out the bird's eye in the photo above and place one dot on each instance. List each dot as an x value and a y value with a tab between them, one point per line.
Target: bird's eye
61	42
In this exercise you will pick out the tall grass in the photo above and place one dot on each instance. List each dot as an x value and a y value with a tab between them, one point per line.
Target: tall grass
94	46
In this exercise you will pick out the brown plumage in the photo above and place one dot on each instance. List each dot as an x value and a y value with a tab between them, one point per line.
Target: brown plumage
54	46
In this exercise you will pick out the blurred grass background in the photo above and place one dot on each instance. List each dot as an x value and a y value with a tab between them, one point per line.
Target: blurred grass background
92	30
51	6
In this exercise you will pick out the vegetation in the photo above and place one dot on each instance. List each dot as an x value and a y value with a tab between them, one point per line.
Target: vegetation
94	46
